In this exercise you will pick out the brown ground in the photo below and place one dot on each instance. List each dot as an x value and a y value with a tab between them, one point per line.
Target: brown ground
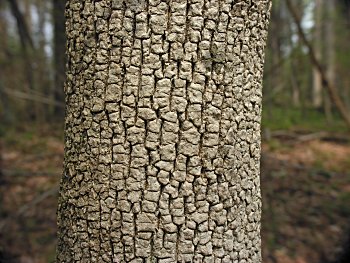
306	190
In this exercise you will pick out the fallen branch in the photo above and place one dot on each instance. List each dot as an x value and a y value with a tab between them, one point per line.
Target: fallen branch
25	173
32	97
297	137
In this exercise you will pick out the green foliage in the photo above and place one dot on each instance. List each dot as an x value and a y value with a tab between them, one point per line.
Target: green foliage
29	139
343	206
280	118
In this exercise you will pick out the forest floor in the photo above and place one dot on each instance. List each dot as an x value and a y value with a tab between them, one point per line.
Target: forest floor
305	186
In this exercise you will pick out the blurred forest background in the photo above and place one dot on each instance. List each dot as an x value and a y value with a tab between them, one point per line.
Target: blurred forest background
305	128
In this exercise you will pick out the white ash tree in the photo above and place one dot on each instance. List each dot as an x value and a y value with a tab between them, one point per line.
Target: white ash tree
162	131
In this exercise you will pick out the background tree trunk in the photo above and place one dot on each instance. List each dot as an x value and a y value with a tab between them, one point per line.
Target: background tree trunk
162	144
27	47
42	70
318	40
59	52
330	52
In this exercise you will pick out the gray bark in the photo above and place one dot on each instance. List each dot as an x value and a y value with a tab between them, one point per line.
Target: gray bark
162	144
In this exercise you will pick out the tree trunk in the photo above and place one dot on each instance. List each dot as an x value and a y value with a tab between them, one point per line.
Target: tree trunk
42	70
317	79
330	52
162	134
59	53
27	47
295	83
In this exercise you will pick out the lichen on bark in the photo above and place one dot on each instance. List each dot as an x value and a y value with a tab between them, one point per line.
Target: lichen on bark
162	145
